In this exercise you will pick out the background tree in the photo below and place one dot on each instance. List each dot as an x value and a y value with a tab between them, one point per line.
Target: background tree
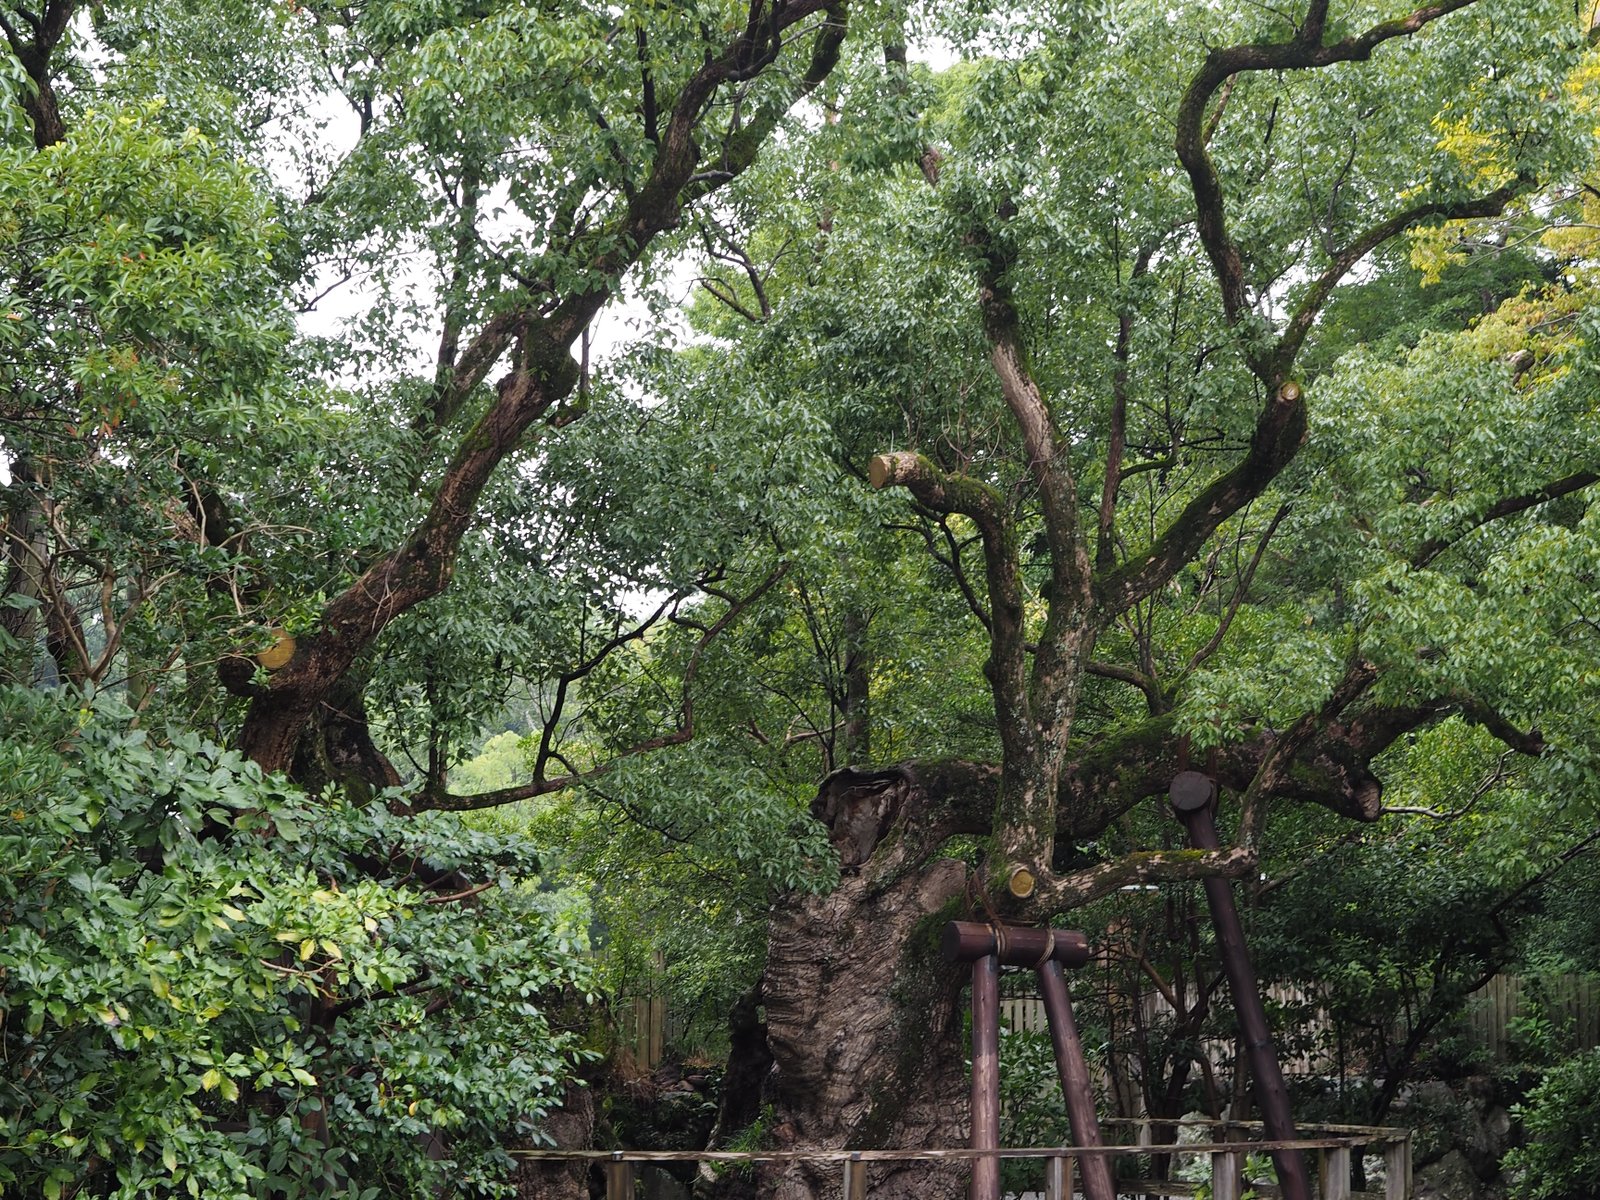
189	489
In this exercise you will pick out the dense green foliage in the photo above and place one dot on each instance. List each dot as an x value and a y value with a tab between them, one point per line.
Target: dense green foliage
1562	1156
205	994
637	595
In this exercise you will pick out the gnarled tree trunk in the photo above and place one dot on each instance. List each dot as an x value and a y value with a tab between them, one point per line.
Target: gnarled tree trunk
863	1017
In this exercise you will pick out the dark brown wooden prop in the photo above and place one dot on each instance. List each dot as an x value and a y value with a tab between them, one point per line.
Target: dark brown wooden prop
1193	797
987	948
1013	945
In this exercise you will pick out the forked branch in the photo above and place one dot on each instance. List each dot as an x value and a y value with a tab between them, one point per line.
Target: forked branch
543	784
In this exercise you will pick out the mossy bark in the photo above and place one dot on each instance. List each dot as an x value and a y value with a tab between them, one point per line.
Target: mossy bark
863	1018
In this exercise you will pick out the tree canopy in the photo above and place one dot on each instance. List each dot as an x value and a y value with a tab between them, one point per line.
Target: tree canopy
1021	407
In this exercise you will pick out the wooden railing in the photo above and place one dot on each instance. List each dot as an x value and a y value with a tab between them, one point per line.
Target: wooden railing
1333	1146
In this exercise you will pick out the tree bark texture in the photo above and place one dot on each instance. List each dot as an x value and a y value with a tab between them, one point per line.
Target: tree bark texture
864	1018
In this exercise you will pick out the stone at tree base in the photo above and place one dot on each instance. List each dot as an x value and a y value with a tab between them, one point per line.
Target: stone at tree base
1451	1178
1488	1133
1466	1119
571	1127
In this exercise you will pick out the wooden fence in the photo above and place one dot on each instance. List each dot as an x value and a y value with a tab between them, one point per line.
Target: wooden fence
1570	1002
1229	1145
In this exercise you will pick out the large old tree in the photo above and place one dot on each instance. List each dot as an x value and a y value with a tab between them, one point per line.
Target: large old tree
1025	455
1085	306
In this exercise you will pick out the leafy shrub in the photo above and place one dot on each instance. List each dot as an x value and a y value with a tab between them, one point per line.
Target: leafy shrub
210	985
1562	1118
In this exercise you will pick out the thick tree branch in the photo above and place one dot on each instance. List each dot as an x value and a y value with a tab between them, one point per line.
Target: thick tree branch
1119	417
1278	435
1150	687
1064	892
1035	725
1312	26
1281	427
649	113
1529	742
1006	668
1048	460
447	396
1305	316
1510	506
543	378
1326	762
39	101
1304	52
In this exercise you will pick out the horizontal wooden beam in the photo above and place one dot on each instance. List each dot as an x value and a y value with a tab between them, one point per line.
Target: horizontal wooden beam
1014	945
1383	1137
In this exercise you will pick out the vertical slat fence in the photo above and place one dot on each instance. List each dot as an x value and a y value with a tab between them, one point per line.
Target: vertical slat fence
1490	1011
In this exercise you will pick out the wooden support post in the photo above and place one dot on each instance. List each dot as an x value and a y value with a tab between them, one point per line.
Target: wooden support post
1335	1172
1058	1177
1193	795
985	1076
855	1179
1075	1085
619	1180
1397	1170
1227	1174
